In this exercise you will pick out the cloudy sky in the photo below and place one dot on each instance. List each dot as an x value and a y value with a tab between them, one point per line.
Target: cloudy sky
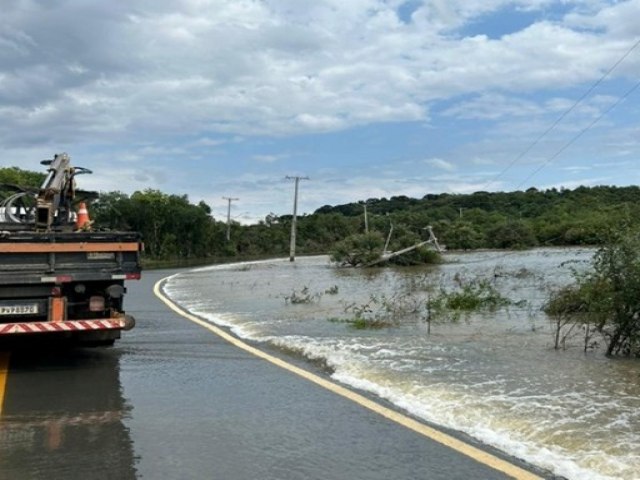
368	98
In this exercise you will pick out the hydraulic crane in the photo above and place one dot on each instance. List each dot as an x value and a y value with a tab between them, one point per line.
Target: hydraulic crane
60	282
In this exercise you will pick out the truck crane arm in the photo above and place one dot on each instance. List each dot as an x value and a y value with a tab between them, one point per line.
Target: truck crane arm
55	197
46	208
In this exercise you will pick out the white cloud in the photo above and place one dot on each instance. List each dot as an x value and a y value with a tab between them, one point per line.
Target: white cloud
440	164
493	107
482	161
269	158
148	93
577	168
277	68
619	19
208	142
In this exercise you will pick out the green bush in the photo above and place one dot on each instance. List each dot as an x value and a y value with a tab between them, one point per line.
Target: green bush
359	249
607	296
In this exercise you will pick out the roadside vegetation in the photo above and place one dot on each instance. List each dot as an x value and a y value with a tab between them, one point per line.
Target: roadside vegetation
179	231
603	303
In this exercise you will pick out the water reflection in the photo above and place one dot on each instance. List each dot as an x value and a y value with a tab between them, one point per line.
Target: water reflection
63	417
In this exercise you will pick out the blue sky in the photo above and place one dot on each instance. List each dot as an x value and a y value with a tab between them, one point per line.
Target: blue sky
368	98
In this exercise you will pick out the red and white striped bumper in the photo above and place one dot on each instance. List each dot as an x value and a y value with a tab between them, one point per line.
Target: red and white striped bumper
65	326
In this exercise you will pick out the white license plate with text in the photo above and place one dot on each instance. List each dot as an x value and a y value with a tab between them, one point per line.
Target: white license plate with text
24	309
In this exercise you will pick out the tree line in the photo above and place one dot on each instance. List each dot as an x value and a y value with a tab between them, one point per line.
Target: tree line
173	227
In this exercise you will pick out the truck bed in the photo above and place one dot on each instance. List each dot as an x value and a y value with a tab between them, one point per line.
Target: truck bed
66	286
34	258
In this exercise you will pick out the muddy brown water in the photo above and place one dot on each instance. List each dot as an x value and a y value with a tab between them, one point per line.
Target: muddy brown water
494	376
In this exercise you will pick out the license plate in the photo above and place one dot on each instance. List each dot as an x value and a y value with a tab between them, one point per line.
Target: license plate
101	256
24	309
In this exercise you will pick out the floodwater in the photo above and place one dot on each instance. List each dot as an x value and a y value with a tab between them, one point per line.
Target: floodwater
494	376
64	416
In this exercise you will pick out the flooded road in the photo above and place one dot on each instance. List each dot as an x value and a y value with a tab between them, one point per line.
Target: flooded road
171	400
50	420
493	376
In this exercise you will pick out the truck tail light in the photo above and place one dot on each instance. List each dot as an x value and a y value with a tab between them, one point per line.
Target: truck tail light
96	303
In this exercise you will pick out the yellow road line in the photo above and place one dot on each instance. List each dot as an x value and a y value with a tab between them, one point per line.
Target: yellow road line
455	444
4	371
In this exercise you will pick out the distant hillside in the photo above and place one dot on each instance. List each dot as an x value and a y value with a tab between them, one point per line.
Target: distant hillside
175	228
583	216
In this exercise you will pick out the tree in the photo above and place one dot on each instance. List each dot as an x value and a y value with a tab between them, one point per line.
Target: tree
112	211
23	178
512	235
462	236
568	308
359	249
608	295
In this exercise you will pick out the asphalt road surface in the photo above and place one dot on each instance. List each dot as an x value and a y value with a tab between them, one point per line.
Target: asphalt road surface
172	400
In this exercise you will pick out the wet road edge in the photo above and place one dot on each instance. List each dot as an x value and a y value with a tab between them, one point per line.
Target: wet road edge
455	444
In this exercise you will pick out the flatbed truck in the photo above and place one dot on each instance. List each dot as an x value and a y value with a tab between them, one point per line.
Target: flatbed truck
61	282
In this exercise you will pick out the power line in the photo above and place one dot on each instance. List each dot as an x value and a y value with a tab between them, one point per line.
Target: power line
580	133
561	117
577	136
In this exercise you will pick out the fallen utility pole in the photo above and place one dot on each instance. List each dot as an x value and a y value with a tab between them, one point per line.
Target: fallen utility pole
389	255
292	245
229	200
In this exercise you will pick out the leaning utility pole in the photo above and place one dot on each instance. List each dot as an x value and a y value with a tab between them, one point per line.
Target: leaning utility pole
229	200
292	245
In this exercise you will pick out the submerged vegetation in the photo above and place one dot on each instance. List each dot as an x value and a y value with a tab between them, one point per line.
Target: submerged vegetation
358	249
304	295
471	295
366	249
423	301
601	308
603	300
466	296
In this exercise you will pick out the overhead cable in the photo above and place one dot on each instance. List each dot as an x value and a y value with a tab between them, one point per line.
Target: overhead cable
561	117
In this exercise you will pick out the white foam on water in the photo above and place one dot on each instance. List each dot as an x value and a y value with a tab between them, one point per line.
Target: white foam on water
195	304
229	266
431	384
452	407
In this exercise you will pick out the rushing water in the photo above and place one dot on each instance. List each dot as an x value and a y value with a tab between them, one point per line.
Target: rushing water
494	375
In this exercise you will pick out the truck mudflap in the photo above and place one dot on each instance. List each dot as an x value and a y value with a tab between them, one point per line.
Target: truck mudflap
125	322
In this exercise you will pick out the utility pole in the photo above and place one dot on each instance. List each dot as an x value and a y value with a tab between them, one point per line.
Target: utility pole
386	244
229	200
292	245
366	218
